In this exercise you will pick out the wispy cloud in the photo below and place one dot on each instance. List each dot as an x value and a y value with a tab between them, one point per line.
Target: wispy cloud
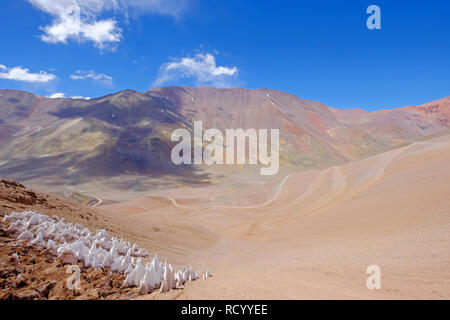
20	73
82	21
57	95
80	98
99	77
60	95
201	68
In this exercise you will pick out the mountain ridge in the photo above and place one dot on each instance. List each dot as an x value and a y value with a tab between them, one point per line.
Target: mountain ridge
127	133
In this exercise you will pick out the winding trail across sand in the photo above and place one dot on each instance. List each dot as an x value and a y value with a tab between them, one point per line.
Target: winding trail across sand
274	197
338	187
314	234
387	158
99	202
339	192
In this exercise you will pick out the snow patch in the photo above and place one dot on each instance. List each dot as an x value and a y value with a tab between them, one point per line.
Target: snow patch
97	250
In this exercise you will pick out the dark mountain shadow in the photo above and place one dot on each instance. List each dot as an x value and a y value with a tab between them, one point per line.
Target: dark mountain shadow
137	127
126	108
98	168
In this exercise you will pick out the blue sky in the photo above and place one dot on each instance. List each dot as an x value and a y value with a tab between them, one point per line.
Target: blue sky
319	50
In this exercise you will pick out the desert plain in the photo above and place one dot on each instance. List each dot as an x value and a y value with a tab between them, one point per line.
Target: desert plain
312	235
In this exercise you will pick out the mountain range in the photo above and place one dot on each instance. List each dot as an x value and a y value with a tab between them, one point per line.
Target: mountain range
127	135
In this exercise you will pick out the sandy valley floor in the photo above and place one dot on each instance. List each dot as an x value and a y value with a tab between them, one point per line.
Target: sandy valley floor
312	235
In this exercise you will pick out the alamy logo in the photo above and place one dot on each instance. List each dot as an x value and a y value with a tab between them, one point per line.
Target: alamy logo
374	280
73	281
374	20
234	146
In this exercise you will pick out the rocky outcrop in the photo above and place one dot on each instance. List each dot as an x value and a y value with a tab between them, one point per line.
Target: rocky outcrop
15	192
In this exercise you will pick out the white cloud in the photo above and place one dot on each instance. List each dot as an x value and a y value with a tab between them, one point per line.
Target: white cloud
202	68
81	97
23	74
57	95
100	77
80	20
77	20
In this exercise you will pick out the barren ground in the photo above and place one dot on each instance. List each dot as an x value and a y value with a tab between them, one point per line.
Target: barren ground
309	235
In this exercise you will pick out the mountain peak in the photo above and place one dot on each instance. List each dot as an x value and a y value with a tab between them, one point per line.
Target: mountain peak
129	131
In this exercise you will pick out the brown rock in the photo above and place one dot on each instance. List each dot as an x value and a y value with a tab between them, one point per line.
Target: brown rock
11	183
6	296
15	258
20	281
10	272
26	295
68	258
44	289
3	284
3	233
